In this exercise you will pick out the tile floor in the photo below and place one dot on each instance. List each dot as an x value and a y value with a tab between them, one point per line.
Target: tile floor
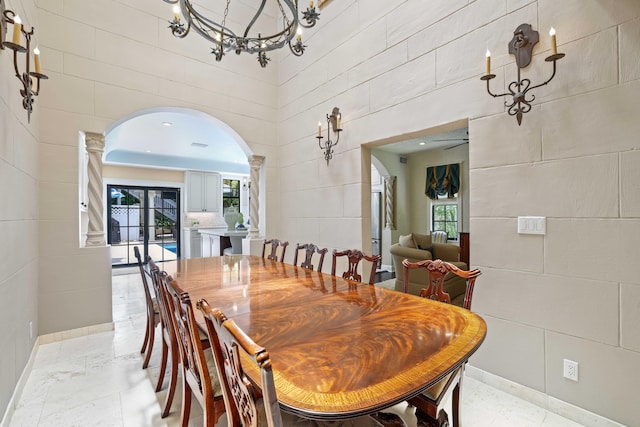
97	380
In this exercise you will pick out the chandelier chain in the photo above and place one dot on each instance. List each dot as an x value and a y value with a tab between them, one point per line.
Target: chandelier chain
226	12
287	23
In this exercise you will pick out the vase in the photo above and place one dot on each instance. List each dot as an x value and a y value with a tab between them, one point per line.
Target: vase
231	217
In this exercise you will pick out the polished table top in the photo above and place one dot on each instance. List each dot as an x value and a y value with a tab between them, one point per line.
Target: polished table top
338	348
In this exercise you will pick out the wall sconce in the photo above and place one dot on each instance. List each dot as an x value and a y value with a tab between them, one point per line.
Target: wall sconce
246	184
30	85
521	46
333	122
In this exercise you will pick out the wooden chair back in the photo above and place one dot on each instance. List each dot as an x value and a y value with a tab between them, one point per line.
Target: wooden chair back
155	273
153	315
431	401
275	244
197	378
309	250
228	341
147	291
169	338
354	257
436	270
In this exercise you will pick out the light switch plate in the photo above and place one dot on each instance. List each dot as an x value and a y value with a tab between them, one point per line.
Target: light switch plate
532	225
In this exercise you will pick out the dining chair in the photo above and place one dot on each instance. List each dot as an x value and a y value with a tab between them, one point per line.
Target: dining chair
274	244
354	257
246	404
430	401
153	312
309	250
199	374
169	339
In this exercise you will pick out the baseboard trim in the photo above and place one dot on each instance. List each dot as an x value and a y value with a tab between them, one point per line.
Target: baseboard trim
17	391
75	333
549	403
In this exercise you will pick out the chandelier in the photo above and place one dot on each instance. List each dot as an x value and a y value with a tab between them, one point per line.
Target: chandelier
249	40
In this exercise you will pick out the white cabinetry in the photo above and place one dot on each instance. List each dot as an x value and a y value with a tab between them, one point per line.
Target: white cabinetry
203	191
193	243
210	245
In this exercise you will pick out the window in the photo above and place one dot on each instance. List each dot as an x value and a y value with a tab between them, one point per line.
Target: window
444	217
230	193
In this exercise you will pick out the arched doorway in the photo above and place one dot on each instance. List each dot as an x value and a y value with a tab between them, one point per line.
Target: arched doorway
149	157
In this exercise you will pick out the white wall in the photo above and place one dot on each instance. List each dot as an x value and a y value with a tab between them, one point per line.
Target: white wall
19	172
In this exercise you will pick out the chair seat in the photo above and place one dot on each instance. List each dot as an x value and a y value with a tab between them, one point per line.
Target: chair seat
434	392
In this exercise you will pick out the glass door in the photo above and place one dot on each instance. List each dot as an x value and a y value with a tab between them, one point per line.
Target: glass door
147	217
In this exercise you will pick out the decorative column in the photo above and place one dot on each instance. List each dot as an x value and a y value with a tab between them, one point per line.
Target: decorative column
389	193
254	216
94	143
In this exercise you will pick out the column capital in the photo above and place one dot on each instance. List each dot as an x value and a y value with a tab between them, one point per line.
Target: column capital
255	161
94	141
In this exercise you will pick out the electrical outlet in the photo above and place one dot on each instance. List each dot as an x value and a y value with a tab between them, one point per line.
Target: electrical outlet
570	370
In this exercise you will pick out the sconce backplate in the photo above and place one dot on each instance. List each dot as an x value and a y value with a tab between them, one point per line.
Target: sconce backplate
333	118
522	43
3	25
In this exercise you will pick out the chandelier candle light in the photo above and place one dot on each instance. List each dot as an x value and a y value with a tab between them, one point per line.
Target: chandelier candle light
521	46
225	39
333	122
30	79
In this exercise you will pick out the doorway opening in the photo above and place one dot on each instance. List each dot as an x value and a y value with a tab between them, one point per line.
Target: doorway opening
147	217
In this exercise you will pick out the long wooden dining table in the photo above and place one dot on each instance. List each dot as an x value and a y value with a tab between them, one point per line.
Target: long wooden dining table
339	349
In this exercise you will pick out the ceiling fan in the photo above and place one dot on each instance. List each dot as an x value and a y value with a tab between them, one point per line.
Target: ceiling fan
462	141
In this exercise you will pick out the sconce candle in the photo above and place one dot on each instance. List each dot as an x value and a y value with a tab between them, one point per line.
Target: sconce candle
36	59
488	62
29	80
319	129
17	29
554	48
338	119
176	12
311	4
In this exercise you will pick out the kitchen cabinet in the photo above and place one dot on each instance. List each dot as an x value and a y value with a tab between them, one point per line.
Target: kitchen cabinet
193	243
203	191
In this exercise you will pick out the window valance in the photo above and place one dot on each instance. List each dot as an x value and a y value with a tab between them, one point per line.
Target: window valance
442	180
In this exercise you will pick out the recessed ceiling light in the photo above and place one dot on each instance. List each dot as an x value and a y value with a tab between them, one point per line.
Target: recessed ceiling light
147	151
167	123
421	143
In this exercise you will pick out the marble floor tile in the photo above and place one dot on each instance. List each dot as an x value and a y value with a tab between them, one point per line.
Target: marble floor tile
98	380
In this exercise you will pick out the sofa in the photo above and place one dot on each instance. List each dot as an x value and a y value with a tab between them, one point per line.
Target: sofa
417	247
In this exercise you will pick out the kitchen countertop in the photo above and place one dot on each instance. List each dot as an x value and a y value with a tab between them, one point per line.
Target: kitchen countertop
205	227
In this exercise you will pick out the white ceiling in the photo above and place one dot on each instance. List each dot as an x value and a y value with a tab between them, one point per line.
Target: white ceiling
444	140
197	141
146	140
